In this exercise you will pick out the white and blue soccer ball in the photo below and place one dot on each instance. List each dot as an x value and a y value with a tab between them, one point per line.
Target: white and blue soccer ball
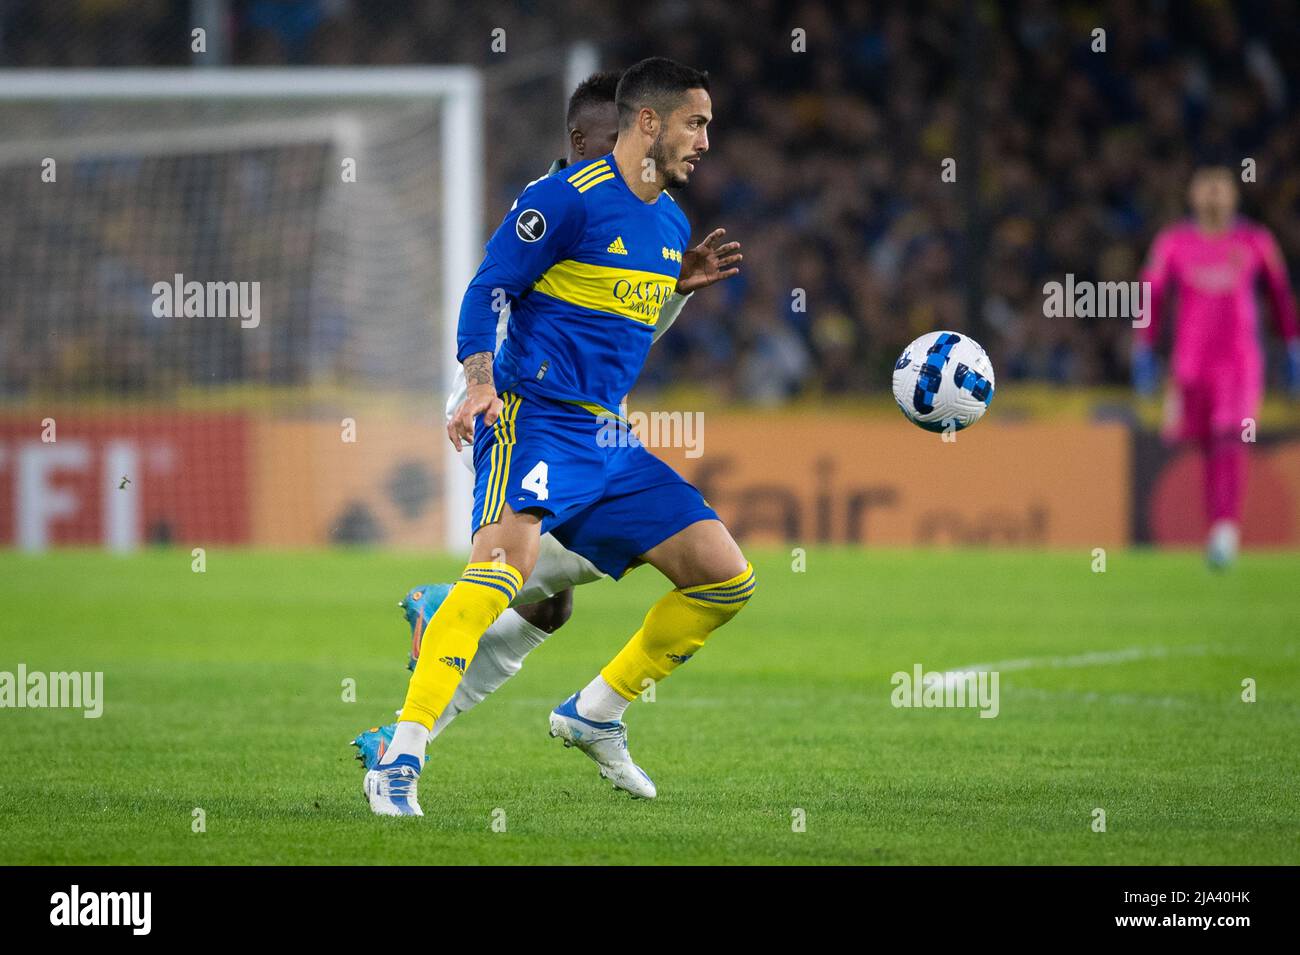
943	381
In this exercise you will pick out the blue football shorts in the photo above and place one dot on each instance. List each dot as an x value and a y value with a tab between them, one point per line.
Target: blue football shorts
600	492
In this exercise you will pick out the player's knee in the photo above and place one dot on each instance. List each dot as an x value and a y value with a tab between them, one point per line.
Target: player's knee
550	614
727	597
745	579
515	544
743	587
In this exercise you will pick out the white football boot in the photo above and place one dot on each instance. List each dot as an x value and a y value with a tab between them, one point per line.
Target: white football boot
390	789
606	744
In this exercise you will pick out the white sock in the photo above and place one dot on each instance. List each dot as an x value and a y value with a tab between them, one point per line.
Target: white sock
409	739
600	702
1225	532
500	654
1224	540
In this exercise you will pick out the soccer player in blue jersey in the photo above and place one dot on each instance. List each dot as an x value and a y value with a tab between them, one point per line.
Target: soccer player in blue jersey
545	602
588	259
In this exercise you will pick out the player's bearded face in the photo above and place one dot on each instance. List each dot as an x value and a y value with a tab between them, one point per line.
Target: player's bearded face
681	139
668	160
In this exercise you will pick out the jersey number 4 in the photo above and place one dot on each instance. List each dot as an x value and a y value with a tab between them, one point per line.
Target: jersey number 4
535	481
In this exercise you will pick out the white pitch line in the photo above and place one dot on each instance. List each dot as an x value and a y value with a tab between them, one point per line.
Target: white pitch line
1123	699
1097	658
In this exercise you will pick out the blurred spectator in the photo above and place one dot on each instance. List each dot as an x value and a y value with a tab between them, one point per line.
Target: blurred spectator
825	163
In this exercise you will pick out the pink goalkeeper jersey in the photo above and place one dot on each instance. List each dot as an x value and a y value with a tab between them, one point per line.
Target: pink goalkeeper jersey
1214	276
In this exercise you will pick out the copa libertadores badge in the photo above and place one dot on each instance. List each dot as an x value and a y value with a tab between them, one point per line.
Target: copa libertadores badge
531	225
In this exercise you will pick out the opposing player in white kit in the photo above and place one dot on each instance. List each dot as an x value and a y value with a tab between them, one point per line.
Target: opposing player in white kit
545	602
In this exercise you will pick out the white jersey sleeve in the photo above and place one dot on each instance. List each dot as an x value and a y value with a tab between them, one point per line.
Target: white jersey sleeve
459	386
668	314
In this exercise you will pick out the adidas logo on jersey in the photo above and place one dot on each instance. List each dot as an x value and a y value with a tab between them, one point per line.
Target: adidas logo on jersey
456	663
671	255
617	247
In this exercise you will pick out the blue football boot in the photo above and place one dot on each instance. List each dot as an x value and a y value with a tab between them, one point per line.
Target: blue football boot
373	743
419	606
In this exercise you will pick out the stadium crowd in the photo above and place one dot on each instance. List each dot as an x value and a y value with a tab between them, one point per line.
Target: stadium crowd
826	160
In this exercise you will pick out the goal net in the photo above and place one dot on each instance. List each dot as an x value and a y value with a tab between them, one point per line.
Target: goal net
228	304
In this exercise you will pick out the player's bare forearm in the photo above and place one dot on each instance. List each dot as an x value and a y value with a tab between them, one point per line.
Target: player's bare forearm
478	369
481	399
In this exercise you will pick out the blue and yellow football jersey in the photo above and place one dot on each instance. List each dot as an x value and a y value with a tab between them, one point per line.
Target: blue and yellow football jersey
586	266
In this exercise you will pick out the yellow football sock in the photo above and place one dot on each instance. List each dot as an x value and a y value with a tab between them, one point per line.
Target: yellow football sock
674	629
451	637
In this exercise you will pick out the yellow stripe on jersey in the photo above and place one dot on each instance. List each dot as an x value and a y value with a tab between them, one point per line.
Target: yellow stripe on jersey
499	472
503	432
494	472
509	433
591	172
595	182
606	288
596	409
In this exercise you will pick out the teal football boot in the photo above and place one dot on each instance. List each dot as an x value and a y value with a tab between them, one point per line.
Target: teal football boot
373	743
419	606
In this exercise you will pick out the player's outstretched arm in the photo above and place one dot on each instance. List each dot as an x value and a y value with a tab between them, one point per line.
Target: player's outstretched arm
1282	300
709	262
1281	297
1157	275
1145	369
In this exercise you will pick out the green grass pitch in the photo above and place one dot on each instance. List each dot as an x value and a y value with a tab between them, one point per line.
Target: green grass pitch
224	692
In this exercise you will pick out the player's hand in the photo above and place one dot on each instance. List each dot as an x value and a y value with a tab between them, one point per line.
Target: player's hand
710	261
479	400
1171	424
1293	369
1146	370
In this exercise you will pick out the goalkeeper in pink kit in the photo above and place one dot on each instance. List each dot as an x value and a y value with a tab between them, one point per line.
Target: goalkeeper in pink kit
1212	264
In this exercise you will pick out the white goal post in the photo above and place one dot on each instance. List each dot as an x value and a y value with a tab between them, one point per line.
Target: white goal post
259	104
